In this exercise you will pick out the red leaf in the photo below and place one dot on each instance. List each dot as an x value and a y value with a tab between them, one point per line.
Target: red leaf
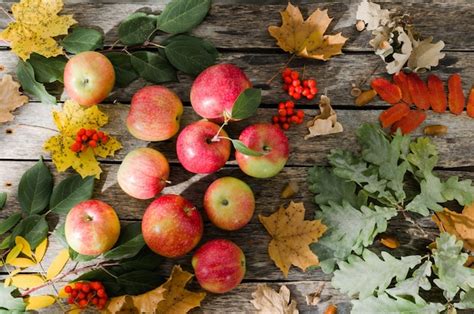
418	91
456	97
388	91
410	122
393	114
401	79
437	95
470	103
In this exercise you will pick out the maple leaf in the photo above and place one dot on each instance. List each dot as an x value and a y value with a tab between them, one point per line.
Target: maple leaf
36	23
267	300
324	123
10	98
291	237
306	38
459	225
69	121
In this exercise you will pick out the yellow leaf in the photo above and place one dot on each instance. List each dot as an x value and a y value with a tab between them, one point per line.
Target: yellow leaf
36	23
267	300
10	98
306	38
22	262
8	280
26	281
459	225
14	253
41	250
39	302
69	121
26	246
58	264
291	237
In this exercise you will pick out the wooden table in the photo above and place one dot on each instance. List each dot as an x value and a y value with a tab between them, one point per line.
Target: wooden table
240	33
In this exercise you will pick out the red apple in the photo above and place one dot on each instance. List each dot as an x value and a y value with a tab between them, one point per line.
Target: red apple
197	151
219	266
216	89
154	114
229	203
172	226
269	140
143	173
92	227
88	78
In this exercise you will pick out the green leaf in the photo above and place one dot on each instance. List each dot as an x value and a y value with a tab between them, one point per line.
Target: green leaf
5	242
352	276
449	266
33	228
423	156
8	301
35	188
3	199
190	54
124	71
26	76
139	281
153	67
129	244
246	104
385	304
461	191
411	286
180	16
70	192
83	39
47	70
8	223
136	28
241	147
467	300
75	256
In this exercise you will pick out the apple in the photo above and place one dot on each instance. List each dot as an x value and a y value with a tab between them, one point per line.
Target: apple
229	203
89	78
92	227
219	266
143	173
215	90
269	140
198	152
172	226
154	114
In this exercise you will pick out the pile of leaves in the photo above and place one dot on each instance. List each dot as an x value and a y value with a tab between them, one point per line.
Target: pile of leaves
357	196
396	40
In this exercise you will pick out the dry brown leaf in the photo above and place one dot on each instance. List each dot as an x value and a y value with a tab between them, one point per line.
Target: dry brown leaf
425	54
143	303
10	98
268	301
313	298
325	122
291	237
372	15
306	38
290	190
459	225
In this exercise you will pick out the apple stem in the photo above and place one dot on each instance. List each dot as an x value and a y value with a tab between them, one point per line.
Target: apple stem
216	137
281	69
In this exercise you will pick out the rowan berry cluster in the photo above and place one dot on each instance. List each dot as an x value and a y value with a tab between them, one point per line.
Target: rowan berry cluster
297	88
287	115
88	138
83	294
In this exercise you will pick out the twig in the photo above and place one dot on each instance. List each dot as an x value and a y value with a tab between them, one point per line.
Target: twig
410	220
38	126
281	69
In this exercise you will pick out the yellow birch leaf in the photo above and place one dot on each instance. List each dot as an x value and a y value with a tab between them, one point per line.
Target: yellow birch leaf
27	281
36	23
41	250
291	237
14	253
22	262
10	98
26	246
8	280
39	302
58	264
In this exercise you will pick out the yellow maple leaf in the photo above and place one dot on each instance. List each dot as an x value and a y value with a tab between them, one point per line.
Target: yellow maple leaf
291	237
306	38
69	121
460	225
36	23
10	98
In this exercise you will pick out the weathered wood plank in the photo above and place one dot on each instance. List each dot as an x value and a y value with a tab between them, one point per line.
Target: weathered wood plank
245	26
33	123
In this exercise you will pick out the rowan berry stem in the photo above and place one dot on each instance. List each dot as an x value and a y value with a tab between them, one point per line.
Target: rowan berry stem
282	68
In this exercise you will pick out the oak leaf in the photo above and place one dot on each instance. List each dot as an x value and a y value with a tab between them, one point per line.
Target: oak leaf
425	54
36	23
291	237
460	225
69	121
306	37
324	123
266	300
10	98
372	15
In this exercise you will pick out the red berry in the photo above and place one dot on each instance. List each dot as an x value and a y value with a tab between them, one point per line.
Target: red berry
76	147
294	119
100	134
300	120
104	139
68	289
78	138
313	90
92	144
294	75
297	96
289	104
89	133
282	119
305	83
101	293
282	112
291	89
86	287
81	132
286	87
70	300
305	92
288	80
81	295
95	285
281	105
84	138
275	119
298	89
285	126
83	303
74	293
286	72
300	113
78	285
311	83
95	137
95	301
102	302
310	96
289	111
296	83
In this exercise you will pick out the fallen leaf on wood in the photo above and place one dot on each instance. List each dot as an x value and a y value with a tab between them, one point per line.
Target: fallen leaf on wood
289	190
26	281
143	303
405	54
425	54
58	264
372	15
39	301
40	250
306	37
10	98
460	225
314	297
326	122
291	237
268	301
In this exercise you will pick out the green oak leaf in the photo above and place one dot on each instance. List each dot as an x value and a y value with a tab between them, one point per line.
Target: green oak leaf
83	39
137	28
411	286
10	303
47	70
153	67
35	188
385	304
26	76
423	156
180	16
467	300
